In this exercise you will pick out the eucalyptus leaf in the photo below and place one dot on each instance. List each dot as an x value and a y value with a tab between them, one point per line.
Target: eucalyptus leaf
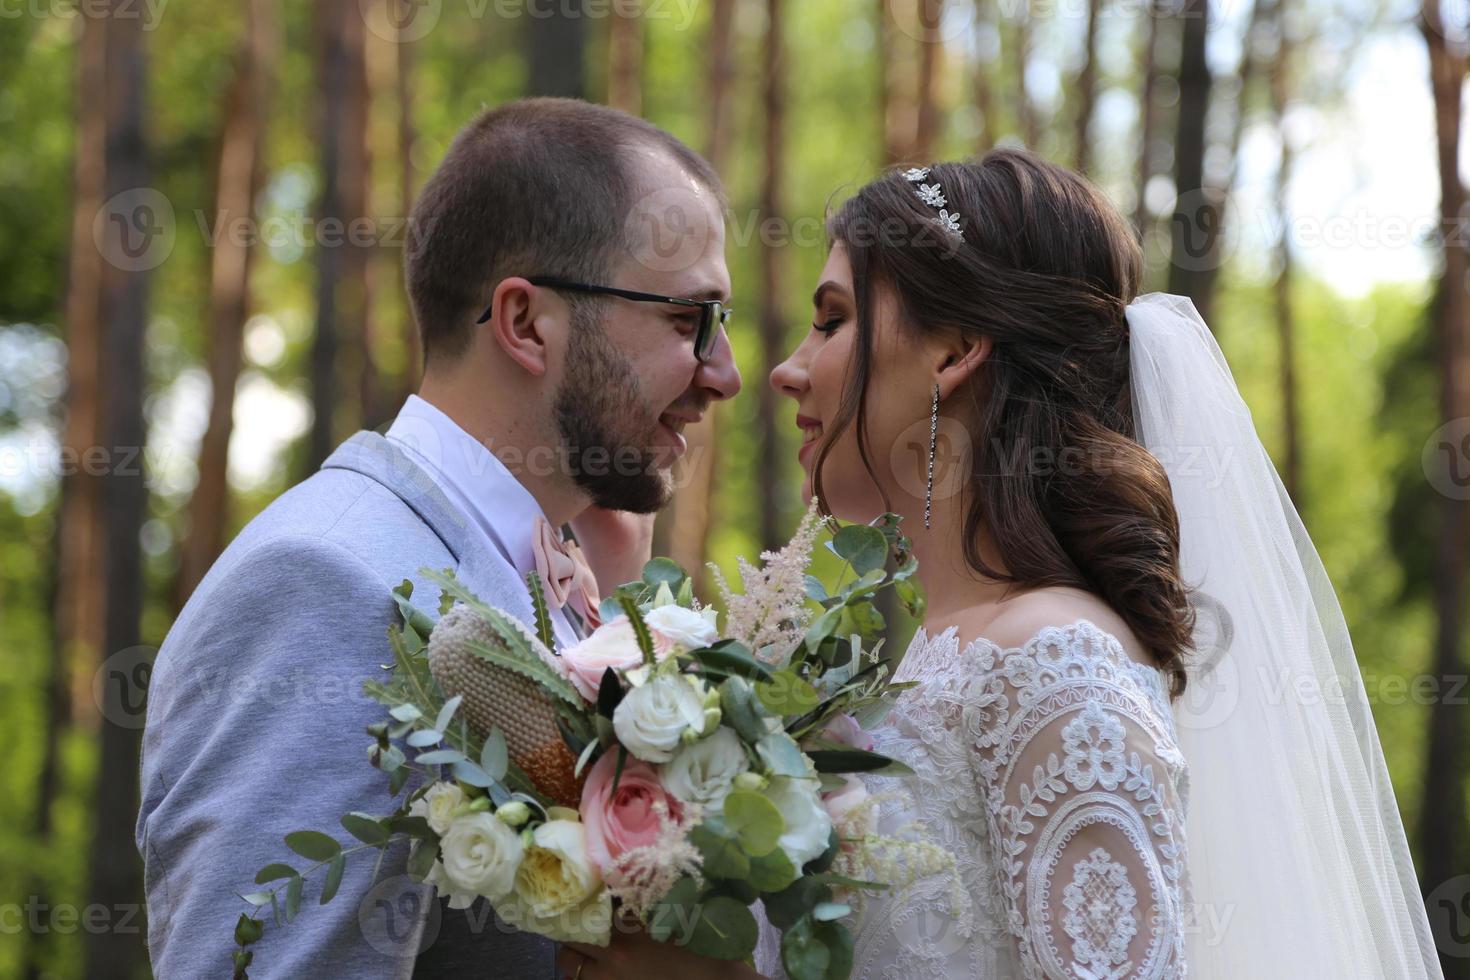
447	712
467	772
440	757
258	898
248	930
664	570
334	878
723	857
313	844
864	547
856	760
782	756
365	828
831	911
754	821
772	872
406	712
275	872
293	897
723	930
424	737
495	756
421	862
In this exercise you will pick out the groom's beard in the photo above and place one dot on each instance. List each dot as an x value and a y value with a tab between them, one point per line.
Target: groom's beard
607	428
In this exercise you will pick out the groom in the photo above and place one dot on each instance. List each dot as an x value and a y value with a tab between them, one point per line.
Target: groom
546	400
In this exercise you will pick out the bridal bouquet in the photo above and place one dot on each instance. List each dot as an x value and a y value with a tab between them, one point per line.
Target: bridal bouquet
668	765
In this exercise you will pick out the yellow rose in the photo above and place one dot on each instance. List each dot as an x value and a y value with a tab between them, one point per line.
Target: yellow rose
558	891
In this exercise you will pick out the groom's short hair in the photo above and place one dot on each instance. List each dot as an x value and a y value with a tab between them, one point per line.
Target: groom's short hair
535	187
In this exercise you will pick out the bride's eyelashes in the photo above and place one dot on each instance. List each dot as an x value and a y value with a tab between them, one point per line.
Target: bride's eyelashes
828	326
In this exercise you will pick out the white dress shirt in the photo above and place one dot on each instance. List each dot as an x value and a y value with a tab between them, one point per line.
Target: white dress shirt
498	507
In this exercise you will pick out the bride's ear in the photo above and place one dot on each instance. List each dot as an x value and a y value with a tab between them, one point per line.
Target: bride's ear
959	360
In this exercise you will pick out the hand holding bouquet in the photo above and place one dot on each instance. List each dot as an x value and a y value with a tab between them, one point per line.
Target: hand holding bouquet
665	764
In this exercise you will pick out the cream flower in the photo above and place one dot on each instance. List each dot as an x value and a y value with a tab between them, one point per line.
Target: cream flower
556	876
481	854
681	626
651	719
704	772
808	826
438	805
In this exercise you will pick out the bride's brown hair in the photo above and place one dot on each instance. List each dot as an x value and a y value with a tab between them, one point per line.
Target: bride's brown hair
1045	269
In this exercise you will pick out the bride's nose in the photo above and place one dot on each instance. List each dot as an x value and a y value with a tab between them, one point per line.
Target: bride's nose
789	377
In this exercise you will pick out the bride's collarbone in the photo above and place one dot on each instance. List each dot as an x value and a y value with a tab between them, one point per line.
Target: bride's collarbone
1014	622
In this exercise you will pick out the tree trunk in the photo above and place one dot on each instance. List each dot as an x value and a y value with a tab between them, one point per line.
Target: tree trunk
682	530
557	41
772	321
404	50
114	868
1281	288
931	51
237	182
984	83
1087	90
1194	244
77	580
893	147
1027	120
1442	812
339	312
625	58
1146	115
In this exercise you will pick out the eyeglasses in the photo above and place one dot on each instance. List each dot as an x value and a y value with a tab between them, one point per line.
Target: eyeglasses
714	315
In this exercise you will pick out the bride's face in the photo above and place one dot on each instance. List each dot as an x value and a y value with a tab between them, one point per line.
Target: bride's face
899	387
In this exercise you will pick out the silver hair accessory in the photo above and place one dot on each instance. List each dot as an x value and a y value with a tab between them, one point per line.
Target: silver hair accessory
933	195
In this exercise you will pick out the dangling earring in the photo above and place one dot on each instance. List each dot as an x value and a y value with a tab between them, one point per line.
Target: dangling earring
933	441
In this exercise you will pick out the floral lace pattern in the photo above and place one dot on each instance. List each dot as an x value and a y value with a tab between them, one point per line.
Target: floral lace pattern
1052	772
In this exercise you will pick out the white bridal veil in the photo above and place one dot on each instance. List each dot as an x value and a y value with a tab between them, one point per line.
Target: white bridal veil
1297	857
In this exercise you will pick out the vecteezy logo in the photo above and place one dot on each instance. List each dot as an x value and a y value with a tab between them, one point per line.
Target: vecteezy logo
1204	229
1446	459
671	227
932	21
400	20
1449	916
134	230
120	686
909	458
391	912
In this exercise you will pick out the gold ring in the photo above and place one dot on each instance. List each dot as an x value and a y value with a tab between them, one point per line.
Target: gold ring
578	974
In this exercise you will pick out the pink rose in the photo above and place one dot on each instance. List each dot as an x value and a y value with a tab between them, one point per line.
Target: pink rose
618	821
611	645
844	729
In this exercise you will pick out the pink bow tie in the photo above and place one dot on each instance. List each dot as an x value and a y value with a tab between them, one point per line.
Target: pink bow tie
564	572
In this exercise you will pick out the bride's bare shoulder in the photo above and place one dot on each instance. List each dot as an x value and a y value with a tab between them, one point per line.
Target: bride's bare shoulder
1016	620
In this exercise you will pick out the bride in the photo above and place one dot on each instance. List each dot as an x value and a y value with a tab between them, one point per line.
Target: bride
1140	727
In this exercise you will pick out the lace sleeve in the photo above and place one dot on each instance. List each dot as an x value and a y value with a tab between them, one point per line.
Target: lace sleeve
1085	792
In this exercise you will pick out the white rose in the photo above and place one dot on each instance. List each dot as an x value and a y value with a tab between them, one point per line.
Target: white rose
682	626
807	824
481	855
651	719
704	772
438	805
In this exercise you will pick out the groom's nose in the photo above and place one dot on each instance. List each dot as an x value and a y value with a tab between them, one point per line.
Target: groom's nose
719	376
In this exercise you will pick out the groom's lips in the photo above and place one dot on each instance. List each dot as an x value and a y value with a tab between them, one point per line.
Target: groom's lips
668	421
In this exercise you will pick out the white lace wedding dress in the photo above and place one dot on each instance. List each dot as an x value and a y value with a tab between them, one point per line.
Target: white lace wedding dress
1051	772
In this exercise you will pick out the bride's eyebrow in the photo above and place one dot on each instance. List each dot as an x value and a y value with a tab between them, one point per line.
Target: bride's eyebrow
831	285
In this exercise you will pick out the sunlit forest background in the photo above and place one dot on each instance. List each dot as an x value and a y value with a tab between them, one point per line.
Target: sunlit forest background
201	220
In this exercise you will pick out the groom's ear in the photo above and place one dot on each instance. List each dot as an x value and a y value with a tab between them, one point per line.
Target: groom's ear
959	359
520	323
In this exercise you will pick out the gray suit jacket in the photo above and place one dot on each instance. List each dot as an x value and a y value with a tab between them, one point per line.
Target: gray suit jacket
255	728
